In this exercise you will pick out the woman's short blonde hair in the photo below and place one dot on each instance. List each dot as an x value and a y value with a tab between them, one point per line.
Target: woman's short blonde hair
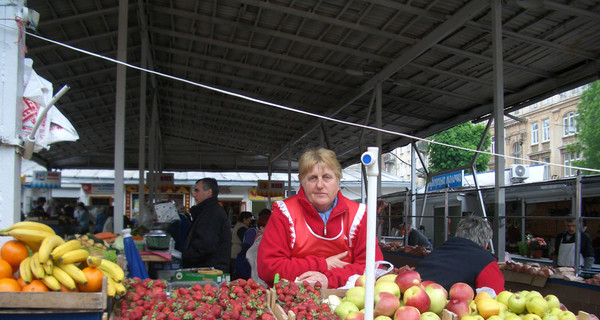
323	156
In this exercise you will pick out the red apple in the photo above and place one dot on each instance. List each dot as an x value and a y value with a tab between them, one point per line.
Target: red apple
438	296
458	307
360	281
461	291
355	315
408	279
426	283
416	297
407	313
387	286
385	304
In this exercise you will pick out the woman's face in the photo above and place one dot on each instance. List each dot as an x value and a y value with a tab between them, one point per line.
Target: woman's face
320	186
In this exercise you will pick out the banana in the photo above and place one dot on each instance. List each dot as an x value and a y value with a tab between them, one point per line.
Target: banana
111	289
28	235
51	282
48	266
64	278
32	225
73	256
73	272
36	267
64	248
120	288
34	246
93	261
112	269
25	270
48	245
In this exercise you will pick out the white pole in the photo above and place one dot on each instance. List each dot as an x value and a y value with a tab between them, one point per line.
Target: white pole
370	161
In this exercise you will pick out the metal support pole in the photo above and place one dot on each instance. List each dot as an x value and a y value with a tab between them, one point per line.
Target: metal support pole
578	223
369	160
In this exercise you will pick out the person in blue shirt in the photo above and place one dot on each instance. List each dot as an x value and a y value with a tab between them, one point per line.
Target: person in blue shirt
100	220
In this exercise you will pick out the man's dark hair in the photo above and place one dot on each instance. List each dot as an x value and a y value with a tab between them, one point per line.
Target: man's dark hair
569	220
244	215
210	183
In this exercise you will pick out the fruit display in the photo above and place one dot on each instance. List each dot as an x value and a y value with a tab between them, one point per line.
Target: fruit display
303	300
397	246
42	261
405	296
150	299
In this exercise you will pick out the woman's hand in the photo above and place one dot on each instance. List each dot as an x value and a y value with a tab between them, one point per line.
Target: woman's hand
314	276
336	261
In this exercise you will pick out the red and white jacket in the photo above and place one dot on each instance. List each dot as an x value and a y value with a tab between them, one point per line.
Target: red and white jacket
296	240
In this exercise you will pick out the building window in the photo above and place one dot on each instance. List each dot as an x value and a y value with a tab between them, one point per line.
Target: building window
545	130
570	157
535	137
493	145
546	168
517	152
570	124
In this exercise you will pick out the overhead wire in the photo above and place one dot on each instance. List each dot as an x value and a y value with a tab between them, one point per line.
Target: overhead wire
311	114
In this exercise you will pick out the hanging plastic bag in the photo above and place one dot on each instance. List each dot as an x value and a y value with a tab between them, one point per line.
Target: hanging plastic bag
381	268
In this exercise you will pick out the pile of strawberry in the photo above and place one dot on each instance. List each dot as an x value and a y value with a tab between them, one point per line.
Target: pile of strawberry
148	299
244	299
304	300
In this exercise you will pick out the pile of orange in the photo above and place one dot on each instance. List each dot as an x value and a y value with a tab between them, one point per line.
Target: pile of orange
11	255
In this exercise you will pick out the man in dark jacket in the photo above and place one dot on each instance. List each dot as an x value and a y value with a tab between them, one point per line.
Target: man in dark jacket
464	258
565	247
208	242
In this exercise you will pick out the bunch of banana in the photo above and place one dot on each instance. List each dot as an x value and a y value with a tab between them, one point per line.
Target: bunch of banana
30	232
113	273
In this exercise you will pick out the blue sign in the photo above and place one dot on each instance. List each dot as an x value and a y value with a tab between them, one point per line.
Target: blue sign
447	180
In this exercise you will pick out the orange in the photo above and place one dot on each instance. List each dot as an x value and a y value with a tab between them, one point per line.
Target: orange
13	252
94	280
5	269
8	284
65	289
21	282
35	286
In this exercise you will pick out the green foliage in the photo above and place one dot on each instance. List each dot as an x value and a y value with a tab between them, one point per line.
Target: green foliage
588	125
465	135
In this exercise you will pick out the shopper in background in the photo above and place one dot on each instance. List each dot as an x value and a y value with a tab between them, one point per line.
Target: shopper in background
208	242
237	236
83	218
415	237
465	258
251	254
382	206
564	247
38	211
317	234
109	222
101	217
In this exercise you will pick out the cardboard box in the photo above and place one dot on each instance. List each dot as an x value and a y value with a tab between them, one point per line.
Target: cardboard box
193	275
529	279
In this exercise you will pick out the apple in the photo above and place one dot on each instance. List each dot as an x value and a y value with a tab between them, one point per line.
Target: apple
438	297
416	297
360	281
537	305
469	317
356	295
555	310
382	318
458	307
495	318
387	286
426	283
488	307
407	313
387	277
516	303
345	308
532	316
550	316
355	315
461	291
385	304
532	294
566	315
553	301
429	316
503	297
513	317
408	279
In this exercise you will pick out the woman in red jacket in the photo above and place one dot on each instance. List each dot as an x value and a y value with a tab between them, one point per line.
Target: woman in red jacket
317	234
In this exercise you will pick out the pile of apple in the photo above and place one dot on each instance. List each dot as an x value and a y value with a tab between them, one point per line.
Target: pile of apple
406	297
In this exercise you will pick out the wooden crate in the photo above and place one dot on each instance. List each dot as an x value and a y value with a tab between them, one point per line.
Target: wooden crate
53	305
535	281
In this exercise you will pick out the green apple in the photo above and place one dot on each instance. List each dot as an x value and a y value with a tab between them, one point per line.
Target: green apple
356	295
566	315
503	296
387	277
531	316
513	316
430	316
382	318
537	305
507	313
532	294
495	318
469	317
553	301
345	308
550	316
555	310
516	303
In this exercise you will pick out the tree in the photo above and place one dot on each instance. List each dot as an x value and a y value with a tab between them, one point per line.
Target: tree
588	127
465	135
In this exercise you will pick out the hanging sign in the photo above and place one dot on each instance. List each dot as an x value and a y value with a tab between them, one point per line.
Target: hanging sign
46	179
447	180
268	188
95	188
